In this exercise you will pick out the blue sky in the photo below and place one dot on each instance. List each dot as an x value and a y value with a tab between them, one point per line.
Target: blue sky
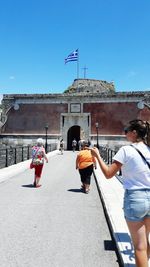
113	38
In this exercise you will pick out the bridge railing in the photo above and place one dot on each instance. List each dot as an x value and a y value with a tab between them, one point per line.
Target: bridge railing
13	155
107	154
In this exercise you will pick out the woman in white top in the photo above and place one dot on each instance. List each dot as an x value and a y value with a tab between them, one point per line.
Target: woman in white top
136	181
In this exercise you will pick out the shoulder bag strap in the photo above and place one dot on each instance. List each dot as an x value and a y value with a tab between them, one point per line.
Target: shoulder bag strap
142	156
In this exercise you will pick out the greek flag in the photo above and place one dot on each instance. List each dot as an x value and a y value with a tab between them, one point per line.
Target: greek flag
72	57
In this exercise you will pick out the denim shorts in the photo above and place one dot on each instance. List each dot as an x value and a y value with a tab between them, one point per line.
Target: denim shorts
137	204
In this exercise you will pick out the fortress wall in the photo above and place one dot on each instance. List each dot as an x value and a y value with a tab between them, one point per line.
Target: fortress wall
32	118
25	116
111	116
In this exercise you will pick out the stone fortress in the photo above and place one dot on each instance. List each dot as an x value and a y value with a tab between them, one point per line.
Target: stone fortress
87	103
91	86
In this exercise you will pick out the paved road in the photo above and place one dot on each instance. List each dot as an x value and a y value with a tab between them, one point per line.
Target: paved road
55	225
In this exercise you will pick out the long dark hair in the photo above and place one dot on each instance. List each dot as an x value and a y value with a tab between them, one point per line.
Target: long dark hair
142	128
148	134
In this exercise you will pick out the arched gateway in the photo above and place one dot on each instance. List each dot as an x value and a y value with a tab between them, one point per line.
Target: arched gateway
73	133
75	126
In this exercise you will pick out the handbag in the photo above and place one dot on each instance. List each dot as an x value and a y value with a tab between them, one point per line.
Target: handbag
38	161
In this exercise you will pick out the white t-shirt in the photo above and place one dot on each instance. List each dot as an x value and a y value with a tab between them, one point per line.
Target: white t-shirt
135	171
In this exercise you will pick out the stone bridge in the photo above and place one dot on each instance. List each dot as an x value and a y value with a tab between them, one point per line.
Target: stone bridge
57	225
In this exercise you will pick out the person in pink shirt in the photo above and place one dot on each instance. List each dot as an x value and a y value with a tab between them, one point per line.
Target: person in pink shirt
38	156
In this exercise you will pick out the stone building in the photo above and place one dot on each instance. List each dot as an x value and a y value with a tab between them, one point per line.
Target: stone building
73	114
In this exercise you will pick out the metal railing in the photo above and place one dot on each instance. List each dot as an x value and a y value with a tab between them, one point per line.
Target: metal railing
107	154
13	155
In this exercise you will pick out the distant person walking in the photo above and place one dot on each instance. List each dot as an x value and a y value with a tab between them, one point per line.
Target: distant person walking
61	147
74	144
38	156
79	144
134	162
85	163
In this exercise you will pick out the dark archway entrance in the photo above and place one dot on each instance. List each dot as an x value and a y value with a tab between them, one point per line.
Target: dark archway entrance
73	133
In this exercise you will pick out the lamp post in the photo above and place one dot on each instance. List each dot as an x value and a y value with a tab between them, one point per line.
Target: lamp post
46	129
97	127
145	102
142	104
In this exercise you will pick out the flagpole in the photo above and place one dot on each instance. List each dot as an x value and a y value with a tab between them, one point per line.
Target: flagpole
78	65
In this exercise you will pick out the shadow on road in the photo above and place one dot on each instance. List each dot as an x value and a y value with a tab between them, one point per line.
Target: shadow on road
75	190
109	245
28	185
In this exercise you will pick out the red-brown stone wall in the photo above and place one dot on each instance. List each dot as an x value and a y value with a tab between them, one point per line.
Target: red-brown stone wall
32	118
112	117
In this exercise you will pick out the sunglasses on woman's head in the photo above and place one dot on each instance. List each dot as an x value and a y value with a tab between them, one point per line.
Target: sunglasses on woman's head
126	130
